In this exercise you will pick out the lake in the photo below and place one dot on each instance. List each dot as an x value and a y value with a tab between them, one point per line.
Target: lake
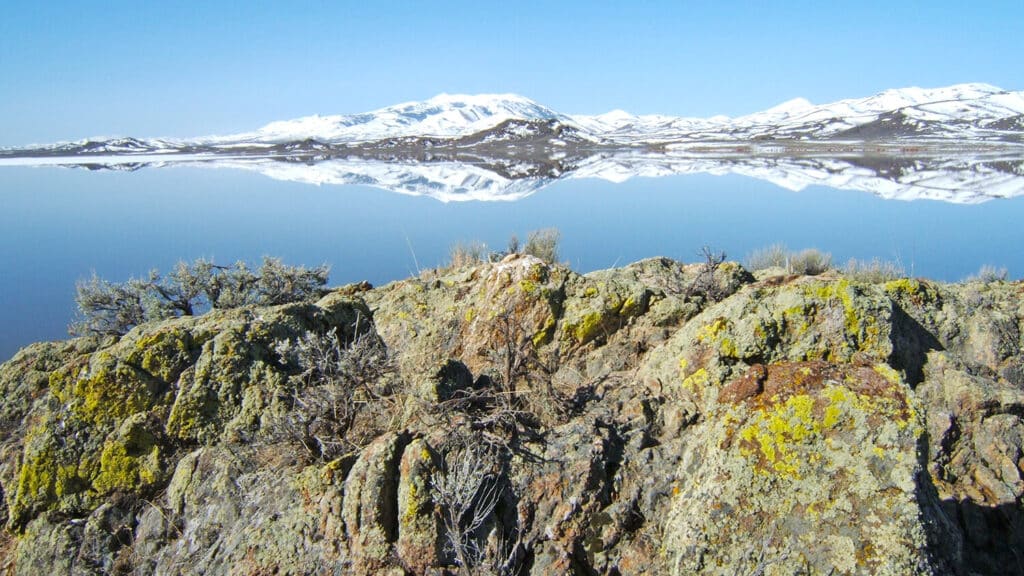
59	225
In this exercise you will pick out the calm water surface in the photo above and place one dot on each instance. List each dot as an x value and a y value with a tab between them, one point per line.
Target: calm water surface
59	225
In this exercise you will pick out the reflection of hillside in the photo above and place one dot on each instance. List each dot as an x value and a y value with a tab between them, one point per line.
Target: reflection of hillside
493	172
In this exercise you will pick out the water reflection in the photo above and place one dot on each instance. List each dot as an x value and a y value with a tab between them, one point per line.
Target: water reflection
60	225
892	173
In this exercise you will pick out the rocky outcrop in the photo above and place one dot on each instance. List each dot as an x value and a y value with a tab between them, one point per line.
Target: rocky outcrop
519	418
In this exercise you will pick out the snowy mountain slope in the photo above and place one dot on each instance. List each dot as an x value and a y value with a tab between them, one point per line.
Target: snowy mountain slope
963	110
960	114
445	115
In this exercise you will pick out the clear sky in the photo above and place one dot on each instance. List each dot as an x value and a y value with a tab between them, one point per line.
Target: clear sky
69	70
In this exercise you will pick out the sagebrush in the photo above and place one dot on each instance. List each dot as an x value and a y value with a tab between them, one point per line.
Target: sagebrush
115	308
875	271
809	262
335	378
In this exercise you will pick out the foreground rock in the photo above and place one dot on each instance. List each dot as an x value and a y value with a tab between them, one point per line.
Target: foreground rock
518	418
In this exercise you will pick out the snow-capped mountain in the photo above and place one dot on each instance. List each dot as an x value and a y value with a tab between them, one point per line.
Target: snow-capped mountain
443	116
960	114
960	111
962	143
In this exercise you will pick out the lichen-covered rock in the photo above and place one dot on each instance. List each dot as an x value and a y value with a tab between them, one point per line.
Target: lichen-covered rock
111	414
657	418
576	475
420	543
976	458
370	508
477	317
811	318
816	471
599	304
239	512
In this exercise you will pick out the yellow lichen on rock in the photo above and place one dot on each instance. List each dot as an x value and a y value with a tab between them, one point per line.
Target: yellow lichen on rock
821	443
773	436
694	382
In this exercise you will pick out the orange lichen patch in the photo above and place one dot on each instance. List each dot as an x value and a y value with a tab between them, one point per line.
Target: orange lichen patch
790	378
779	280
749	385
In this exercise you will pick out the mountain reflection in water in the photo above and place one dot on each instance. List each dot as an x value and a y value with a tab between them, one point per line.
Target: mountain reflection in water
967	178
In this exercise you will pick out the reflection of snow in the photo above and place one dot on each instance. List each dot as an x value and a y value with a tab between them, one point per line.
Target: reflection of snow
957	179
445	181
950	179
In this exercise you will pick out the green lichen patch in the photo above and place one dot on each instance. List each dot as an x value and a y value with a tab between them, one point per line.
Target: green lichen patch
588	328
131	460
804	404
545	334
107	390
716	334
602	308
163	352
917	292
856	320
43	478
225	385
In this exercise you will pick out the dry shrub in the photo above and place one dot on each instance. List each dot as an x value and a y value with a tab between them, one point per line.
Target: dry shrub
876	271
809	262
466	490
462	255
543	244
191	288
989	273
336	380
705	284
774	256
470	485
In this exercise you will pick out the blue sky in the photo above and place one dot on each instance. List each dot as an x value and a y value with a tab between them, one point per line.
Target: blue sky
69	70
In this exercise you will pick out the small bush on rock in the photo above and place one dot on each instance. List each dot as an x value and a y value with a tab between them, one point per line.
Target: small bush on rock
989	273
336	378
461	255
809	262
110	308
466	491
543	244
774	256
875	271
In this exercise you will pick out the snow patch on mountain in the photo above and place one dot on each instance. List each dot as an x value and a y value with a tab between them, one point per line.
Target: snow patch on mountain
445	115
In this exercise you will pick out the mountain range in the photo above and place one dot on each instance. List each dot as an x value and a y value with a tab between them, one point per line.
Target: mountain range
962	143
